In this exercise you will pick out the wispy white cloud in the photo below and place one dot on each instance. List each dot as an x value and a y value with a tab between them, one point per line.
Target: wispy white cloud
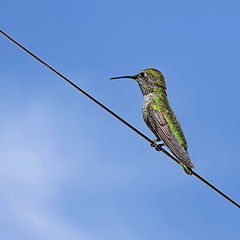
30	176
34	170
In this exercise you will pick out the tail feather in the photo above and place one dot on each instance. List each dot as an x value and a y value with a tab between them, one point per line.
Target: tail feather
186	169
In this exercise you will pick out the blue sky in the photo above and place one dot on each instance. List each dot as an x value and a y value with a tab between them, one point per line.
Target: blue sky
71	171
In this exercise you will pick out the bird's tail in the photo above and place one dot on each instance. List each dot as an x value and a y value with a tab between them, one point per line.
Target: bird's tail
186	169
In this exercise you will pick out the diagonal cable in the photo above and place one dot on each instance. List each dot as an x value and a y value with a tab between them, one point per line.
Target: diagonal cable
118	117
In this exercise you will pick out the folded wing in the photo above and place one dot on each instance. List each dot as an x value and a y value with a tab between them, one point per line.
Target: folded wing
163	129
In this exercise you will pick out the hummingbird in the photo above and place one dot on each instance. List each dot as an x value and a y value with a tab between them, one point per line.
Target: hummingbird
159	116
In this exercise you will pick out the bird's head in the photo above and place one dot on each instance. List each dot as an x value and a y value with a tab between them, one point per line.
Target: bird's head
149	80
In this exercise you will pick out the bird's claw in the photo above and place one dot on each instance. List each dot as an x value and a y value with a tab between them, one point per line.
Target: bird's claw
158	147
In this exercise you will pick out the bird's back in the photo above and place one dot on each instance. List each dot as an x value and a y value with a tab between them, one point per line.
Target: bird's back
161	104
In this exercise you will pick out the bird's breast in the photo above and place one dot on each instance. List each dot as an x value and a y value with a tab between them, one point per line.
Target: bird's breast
147	99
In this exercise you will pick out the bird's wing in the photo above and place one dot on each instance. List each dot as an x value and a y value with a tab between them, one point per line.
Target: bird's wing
163	129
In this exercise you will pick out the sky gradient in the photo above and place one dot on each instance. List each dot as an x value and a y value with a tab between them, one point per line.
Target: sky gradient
69	170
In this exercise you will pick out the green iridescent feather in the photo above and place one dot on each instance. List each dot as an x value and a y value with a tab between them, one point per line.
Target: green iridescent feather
161	104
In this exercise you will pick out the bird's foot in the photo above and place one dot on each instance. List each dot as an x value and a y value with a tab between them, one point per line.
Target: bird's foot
154	144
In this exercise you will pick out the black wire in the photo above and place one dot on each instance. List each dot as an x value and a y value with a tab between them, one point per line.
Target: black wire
118	117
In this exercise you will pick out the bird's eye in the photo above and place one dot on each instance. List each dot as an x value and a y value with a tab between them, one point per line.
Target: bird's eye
142	74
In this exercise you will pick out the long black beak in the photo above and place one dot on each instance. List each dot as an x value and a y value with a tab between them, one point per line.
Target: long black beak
132	77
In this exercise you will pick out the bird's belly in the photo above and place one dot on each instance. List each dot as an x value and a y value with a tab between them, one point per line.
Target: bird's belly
144	112
148	99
